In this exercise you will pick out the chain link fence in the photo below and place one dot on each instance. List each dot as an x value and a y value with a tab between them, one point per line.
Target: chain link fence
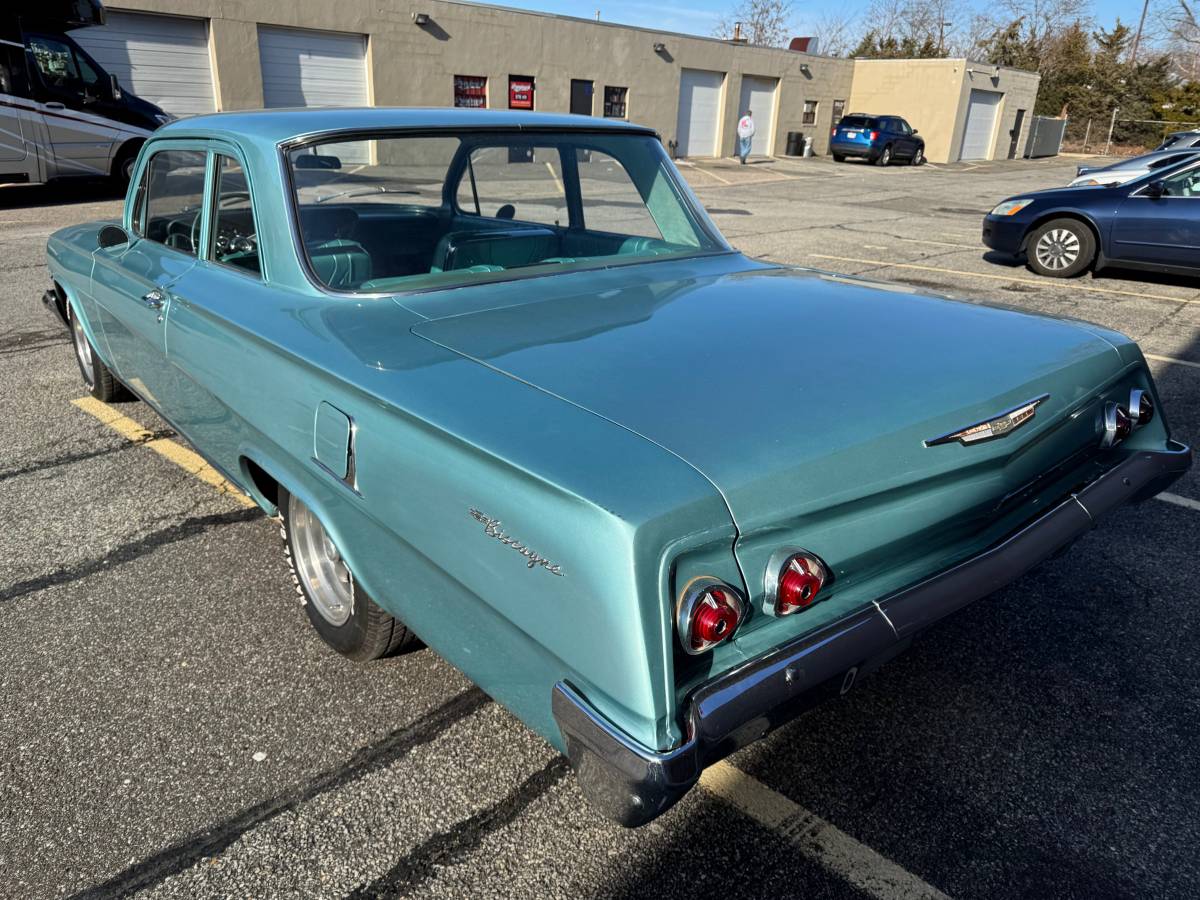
1118	137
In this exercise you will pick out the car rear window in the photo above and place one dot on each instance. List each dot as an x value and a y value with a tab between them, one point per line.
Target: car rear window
857	122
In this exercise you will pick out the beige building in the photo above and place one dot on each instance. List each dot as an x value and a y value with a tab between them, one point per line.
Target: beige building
193	56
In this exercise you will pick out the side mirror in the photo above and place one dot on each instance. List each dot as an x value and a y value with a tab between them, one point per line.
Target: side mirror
915	131
111	236
114	86
1156	189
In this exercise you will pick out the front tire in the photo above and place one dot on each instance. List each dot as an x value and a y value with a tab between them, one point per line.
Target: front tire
1061	248
97	378
918	157
338	607
885	156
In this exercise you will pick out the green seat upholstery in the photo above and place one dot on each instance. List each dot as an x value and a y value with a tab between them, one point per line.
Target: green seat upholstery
508	248
340	263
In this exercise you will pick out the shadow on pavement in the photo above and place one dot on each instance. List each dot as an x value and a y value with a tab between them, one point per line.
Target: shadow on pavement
63	193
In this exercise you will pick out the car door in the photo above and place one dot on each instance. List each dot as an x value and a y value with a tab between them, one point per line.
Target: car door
1150	227
214	306
132	283
907	141
65	85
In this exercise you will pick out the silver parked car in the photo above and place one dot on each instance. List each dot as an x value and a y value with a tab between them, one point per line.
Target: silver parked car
1180	140
1129	169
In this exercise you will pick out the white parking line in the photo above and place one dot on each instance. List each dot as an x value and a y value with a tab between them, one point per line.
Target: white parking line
1187	502
1173	361
816	839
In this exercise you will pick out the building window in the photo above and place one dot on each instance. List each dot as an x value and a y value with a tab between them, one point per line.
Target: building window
614	102
810	113
520	91
839	110
470	91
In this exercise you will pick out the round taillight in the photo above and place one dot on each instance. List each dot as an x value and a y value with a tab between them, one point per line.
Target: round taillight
793	582
1141	407
709	612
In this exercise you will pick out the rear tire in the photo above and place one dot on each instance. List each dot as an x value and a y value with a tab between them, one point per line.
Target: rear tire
837	157
885	156
100	382
122	170
1061	248
342	613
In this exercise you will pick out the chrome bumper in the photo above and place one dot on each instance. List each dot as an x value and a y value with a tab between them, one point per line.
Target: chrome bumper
634	785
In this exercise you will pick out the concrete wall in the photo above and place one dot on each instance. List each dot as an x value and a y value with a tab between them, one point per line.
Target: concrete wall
933	95
414	66
411	65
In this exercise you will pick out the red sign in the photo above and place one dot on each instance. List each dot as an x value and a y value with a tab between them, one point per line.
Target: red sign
520	93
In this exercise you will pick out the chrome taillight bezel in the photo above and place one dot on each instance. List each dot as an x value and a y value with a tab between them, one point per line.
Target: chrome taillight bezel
1136	397
693	594
778	565
1116	420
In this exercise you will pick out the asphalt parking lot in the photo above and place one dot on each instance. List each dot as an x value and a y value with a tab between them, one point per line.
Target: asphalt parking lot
171	726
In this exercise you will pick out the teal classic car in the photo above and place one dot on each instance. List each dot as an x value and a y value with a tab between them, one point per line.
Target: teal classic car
509	389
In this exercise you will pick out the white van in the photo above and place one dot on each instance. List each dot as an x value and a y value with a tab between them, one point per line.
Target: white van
61	114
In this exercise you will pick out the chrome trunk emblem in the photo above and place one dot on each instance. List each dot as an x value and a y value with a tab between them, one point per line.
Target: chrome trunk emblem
1004	424
493	529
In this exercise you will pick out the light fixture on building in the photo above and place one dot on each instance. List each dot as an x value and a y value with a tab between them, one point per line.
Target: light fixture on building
660	47
421	19
805	70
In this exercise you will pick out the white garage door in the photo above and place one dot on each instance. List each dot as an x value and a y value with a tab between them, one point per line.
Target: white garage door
981	125
163	59
312	68
699	109
758	96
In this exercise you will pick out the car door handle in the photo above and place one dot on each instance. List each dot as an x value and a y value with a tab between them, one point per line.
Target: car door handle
154	299
54	104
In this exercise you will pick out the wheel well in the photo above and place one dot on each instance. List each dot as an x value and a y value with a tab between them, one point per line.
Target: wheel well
127	149
263	481
1050	217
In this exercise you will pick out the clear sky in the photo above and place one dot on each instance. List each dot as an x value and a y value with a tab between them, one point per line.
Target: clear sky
701	16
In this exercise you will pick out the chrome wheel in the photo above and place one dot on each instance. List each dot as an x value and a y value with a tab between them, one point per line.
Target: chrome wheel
83	350
1058	249
328	584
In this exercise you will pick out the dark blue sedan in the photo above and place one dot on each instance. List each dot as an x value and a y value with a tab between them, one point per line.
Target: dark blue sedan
1152	222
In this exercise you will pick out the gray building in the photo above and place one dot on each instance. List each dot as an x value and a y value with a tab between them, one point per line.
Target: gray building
193	56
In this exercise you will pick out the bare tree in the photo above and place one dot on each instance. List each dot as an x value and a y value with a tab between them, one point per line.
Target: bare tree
1182	41
767	23
834	31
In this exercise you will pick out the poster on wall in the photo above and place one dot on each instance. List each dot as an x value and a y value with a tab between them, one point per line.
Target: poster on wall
520	92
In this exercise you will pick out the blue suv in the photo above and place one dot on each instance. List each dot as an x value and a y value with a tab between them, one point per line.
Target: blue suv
878	139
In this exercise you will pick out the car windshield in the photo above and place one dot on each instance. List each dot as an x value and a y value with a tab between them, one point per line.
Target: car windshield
402	213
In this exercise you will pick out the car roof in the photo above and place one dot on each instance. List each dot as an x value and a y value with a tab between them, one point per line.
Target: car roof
277	126
1148	159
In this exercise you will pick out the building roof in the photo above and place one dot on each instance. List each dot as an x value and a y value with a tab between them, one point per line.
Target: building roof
277	126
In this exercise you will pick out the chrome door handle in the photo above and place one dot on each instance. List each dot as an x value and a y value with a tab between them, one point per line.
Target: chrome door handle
154	299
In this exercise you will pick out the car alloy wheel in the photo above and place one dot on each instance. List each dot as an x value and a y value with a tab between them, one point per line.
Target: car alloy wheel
918	157
83	351
886	156
319	566
1057	249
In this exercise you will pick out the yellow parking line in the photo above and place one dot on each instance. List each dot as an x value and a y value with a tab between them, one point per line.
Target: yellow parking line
710	172
557	180
812	837
1010	278
1173	361
186	459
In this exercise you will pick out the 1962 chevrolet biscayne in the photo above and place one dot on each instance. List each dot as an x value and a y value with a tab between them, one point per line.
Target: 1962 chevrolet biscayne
510	390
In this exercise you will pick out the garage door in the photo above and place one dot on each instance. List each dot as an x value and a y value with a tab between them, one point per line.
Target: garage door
758	95
699	110
981	125
312	68
163	59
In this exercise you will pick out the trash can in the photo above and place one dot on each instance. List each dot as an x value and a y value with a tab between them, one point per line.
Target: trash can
795	141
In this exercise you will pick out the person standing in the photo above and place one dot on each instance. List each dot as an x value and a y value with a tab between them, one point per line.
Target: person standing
745	133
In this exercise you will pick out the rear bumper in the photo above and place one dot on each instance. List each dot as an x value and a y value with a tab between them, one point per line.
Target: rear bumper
851	149
634	785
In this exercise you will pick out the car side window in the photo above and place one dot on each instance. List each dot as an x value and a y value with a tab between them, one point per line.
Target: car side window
1182	184
172	196
12	70
903	127
611	201
234	233
518	182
